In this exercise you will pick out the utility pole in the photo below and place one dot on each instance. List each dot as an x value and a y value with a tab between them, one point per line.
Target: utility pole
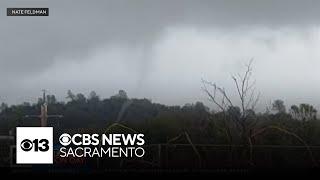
44	113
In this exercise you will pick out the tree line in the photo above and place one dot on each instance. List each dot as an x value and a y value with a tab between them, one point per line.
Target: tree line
160	123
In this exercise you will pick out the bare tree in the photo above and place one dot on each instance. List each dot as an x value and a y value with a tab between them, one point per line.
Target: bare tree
245	89
243	117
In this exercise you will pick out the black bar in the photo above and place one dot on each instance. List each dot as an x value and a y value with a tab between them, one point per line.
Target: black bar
27	11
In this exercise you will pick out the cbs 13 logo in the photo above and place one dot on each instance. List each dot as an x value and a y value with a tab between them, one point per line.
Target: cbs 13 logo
36	144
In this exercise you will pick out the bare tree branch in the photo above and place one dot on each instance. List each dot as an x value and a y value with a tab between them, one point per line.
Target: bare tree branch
245	88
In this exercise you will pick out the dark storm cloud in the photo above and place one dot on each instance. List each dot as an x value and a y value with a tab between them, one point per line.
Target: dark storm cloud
32	45
29	44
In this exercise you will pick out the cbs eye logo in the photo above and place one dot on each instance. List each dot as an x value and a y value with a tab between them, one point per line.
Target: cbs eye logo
37	145
65	139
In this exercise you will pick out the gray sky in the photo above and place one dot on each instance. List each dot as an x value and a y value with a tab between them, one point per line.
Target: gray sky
161	49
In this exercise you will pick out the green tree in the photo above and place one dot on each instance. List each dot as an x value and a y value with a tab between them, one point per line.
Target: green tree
278	106
93	97
51	99
71	96
304	112
80	98
121	95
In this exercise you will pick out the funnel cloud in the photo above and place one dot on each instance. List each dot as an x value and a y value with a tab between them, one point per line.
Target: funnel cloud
161	49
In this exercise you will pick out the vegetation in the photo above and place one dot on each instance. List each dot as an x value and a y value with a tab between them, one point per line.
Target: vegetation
160	123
